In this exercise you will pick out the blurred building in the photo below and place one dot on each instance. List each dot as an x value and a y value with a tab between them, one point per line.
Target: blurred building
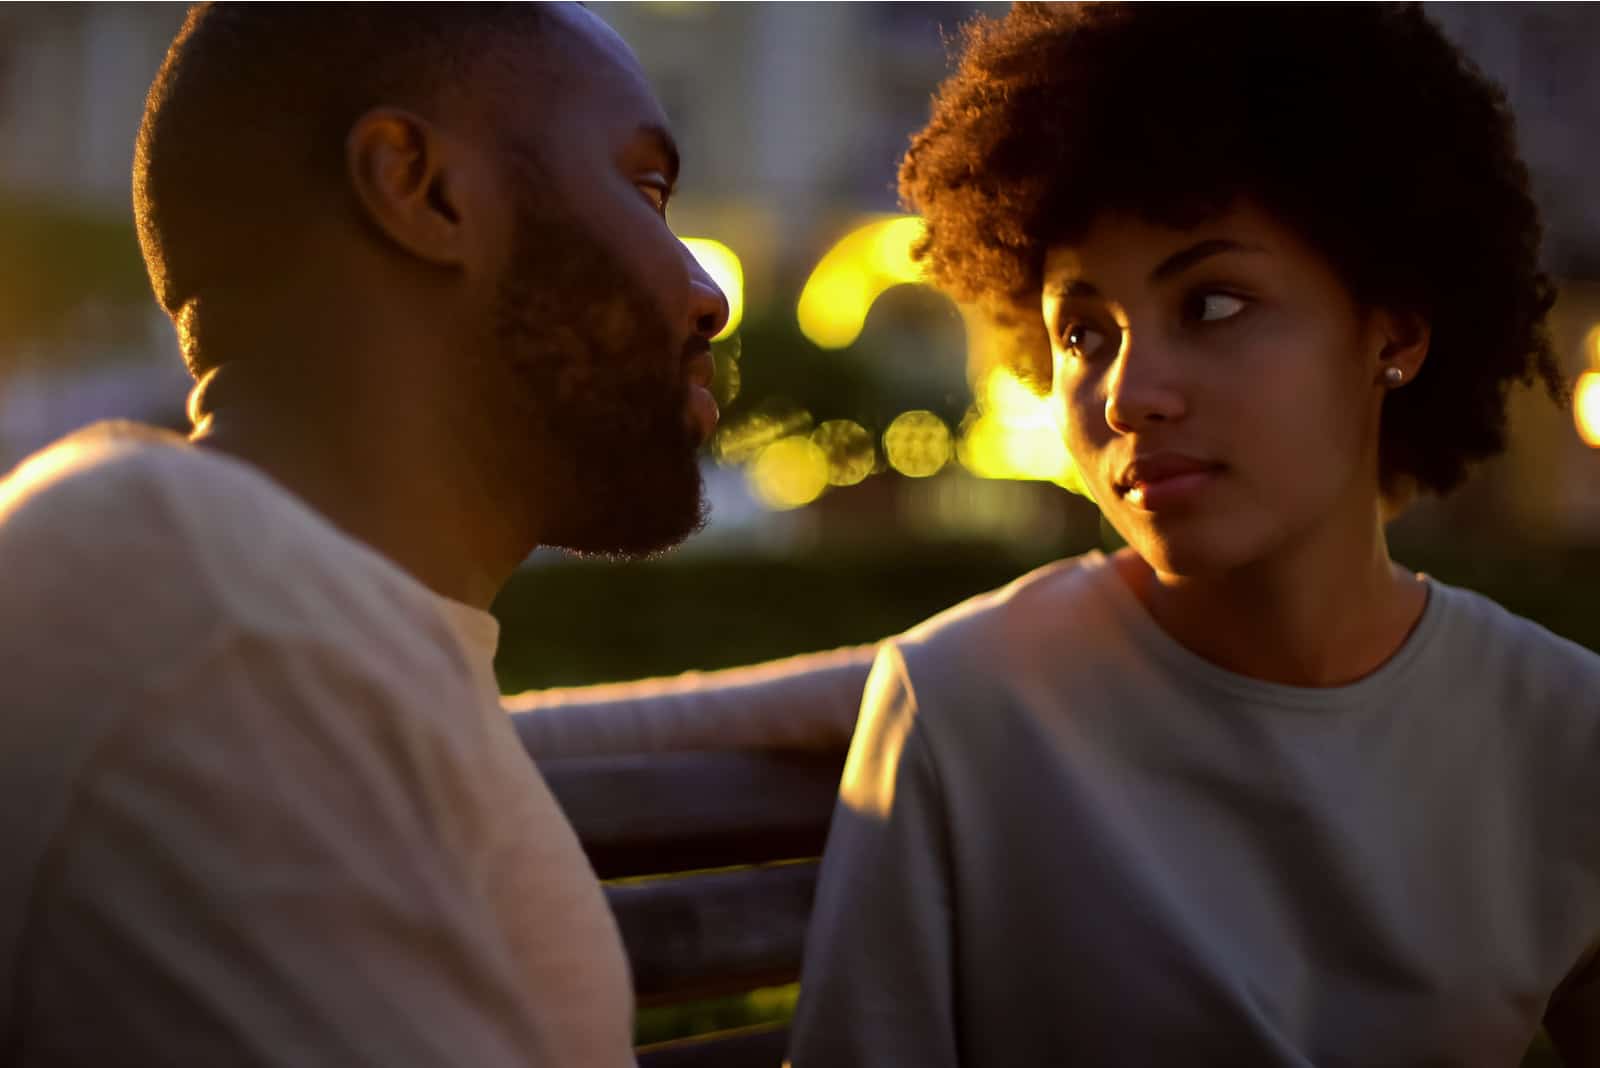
791	118
72	86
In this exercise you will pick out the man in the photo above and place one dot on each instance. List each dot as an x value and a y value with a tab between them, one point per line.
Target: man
262	804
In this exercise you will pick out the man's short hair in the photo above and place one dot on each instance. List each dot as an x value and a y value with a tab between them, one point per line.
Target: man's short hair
244	127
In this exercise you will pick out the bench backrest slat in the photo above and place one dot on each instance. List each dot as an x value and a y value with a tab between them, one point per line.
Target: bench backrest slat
671	812
712	865
701	936
750	1047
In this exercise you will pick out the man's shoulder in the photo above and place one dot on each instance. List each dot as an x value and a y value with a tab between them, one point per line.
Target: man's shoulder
111	484
150	545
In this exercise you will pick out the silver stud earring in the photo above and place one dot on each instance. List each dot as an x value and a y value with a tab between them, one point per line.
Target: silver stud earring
1393	376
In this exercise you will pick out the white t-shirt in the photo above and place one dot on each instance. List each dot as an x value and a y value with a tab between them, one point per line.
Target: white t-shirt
260	803
1063	838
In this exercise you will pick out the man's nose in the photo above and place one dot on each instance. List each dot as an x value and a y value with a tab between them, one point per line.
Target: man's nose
708	305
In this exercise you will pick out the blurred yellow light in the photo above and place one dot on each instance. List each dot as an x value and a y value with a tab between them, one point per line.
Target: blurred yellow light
743	439
892	241
849	449
1591	346
722	264
1586	408
1015	435
853	274
789	473
917	444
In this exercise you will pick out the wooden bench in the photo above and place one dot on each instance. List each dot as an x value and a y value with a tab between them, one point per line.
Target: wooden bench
710	863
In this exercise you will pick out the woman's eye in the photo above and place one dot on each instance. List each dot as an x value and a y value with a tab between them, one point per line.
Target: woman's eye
1081	340
1214	307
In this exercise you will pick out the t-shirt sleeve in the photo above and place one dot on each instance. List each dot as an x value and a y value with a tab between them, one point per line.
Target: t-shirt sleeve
1573	1016
877	987
268	864
802	702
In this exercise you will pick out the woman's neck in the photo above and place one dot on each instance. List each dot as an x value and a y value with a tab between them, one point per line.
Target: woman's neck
1324	612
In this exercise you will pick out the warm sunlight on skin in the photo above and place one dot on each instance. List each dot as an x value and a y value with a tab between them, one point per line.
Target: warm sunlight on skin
722	264
1586	408
853	274
1219	388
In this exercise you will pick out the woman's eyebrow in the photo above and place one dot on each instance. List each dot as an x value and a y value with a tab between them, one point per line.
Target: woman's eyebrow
1183	259
1078	287
1174	264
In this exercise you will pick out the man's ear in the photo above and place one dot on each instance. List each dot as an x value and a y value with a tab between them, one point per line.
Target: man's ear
405	179
1405	340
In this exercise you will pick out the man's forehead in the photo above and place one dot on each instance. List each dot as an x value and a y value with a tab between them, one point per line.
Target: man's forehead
604	72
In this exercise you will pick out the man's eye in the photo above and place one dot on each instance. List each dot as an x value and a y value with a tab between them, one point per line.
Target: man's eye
657	193
1081	340
1214	307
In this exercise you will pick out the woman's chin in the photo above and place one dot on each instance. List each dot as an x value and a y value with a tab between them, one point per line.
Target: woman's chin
1191	554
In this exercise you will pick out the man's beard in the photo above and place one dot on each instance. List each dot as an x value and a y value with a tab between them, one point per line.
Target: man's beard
599	398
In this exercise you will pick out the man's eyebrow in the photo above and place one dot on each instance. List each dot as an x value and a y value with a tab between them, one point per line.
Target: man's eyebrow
1182	260
661	141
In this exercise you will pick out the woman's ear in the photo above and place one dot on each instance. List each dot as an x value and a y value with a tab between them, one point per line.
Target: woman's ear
1405	337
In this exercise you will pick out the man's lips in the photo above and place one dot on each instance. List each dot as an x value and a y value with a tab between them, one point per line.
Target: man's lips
701	371
700	368
1160	480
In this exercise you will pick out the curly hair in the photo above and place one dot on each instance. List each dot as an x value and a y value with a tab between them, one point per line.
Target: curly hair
1360	126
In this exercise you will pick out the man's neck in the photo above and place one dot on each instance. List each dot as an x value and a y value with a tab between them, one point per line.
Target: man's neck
1325	612
388	483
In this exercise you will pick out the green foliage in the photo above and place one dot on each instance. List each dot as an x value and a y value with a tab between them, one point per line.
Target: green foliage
588	621
576	622
55	260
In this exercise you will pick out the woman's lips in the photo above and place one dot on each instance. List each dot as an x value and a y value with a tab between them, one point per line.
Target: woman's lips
1173	491
1161	481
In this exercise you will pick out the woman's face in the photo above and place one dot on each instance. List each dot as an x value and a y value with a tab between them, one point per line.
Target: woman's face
1220	388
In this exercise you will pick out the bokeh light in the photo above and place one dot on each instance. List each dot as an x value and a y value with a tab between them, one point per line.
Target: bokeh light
851	453
1586	408
722	264
789	473
1013	433
853	274
917	444
740	440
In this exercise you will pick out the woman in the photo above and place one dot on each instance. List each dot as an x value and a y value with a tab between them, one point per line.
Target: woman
1246	792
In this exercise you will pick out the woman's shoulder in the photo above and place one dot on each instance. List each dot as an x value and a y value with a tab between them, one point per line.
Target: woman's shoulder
1051	607
1479	634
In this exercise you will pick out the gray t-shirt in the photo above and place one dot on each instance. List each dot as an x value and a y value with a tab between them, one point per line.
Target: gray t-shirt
1063	838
